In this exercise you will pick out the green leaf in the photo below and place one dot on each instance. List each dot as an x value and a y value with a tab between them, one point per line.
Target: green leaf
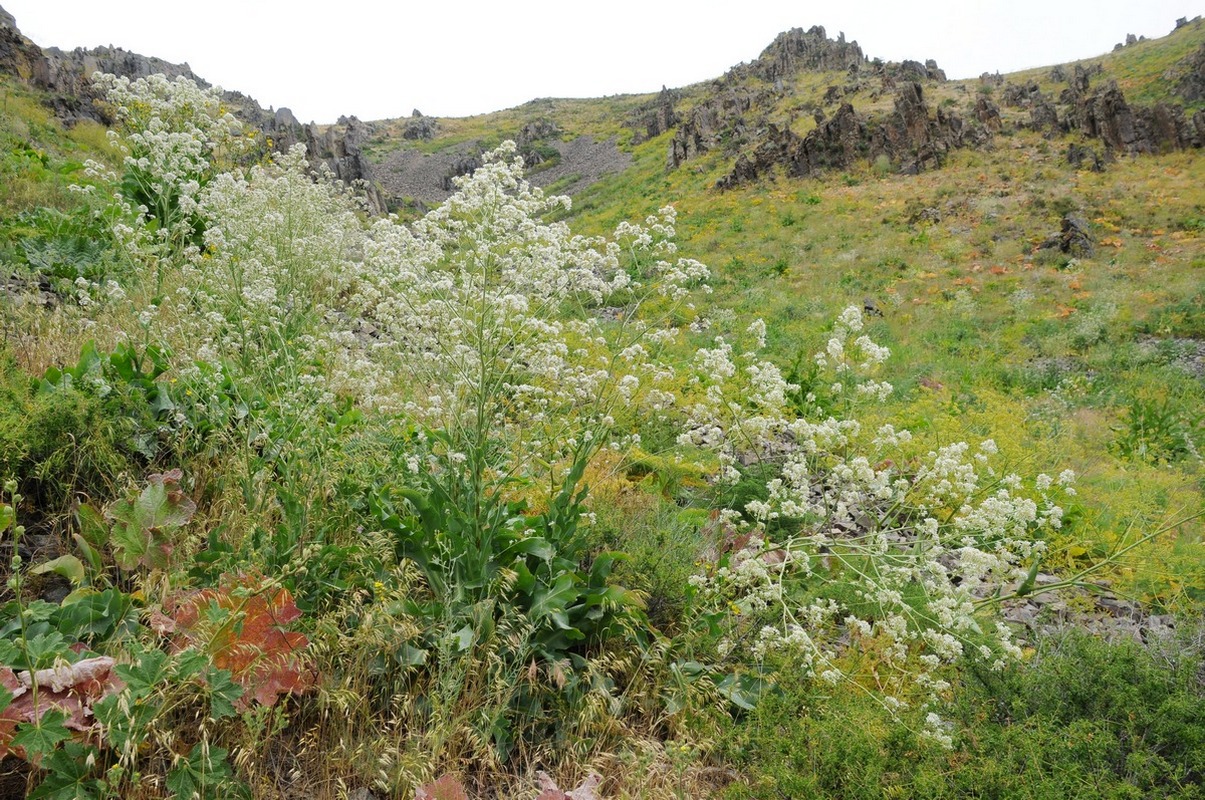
7	516
223	692
90	553
68	566
464	638
45	648
68	776
41	738
200	775
742	691
550	603
138	535
531	546
409	656
92	616
1027	585
144	676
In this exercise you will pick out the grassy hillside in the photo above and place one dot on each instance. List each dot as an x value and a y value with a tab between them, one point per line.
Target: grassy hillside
301	503
1095	362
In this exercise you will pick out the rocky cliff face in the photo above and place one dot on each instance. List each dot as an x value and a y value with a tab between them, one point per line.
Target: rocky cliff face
1101	111
744	117
18	55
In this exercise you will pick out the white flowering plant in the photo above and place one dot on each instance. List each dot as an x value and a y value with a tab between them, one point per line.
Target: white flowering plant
859	541
175	137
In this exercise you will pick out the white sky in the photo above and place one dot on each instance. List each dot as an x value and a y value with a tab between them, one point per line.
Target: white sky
460	57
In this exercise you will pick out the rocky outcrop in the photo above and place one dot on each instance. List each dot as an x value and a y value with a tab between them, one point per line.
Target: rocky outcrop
1189	75
797	50
988	114
340	147
721	118
463	165
1074	239
655	118
911	137
420	127
18	55
66	77
1082	157
1105	114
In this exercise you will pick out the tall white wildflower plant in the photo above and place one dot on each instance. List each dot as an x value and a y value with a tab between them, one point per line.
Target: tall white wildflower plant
514	333
174	134
864	560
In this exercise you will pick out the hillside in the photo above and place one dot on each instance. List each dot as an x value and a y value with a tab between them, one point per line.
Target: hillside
870	469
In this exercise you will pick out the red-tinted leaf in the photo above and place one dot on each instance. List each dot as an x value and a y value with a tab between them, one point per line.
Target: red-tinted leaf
70	688
250	640
446	788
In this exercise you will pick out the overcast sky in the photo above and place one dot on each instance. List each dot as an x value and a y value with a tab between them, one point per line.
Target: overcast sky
460	57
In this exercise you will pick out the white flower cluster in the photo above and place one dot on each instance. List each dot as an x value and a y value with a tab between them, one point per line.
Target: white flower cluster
174	130
883	543
481	319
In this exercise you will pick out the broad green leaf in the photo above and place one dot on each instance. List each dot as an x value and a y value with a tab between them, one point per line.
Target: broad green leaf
742	691
68	566
68	776
139	532
532	546
409	656
550	602
464	638
148	673
41	738
7	516
223	693
45	648
200	775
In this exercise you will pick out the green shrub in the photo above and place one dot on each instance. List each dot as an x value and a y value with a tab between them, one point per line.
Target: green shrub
1083	718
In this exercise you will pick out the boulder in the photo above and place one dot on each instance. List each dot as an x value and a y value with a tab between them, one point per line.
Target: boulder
988	114
419	126
1082	157
1043	116
1074	239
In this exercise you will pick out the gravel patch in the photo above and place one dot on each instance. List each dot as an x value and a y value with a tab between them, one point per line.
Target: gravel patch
420	176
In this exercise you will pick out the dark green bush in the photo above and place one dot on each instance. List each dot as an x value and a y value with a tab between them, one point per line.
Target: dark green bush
1083	718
